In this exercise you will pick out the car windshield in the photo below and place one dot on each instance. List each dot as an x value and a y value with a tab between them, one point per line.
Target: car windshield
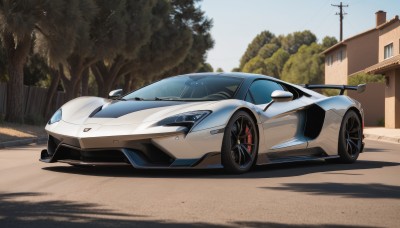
188	88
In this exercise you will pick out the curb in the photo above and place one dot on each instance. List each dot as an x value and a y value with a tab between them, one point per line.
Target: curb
22	142
382	138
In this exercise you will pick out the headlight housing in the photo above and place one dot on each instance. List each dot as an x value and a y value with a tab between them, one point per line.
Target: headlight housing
187	119
56	117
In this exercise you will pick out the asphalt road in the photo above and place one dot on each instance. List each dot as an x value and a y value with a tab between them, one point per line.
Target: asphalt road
312	194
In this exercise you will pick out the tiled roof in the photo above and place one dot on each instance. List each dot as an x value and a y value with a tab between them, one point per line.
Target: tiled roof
343	43
384	65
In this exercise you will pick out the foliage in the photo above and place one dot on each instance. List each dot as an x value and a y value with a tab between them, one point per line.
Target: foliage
205	67
193	18
236	69
139	40
50	23
381	122
272	52
328	41
254	47
220	70
35	71
255	64
292	42
274	64
306	66
362	78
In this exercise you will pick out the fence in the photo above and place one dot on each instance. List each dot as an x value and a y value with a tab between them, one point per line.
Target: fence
34	101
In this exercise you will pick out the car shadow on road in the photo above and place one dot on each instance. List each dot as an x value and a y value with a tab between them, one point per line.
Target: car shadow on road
370	149
351	190
24	210
266	171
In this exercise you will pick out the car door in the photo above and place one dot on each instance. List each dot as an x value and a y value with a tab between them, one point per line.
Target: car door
281	121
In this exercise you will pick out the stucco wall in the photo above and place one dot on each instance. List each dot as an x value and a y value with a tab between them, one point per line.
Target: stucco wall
392	101
389	34
362	51
337	72
373	102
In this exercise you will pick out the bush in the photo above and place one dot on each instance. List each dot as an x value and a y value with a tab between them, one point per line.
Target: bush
362	78
381	122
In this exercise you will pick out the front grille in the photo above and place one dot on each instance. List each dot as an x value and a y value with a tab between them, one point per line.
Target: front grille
103	156
145	152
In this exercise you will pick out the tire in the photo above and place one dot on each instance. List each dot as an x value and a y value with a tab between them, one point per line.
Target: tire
240	144
350	138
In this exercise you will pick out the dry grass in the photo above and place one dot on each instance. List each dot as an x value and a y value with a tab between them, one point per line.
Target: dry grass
11	132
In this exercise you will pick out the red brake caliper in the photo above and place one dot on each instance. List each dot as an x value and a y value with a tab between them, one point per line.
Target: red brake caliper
249	139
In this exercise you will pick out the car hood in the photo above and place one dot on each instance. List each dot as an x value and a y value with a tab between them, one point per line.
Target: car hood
117	112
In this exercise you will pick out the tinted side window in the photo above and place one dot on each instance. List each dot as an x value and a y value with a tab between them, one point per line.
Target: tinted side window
260	91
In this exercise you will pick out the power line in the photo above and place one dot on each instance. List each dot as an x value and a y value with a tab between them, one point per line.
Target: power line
341	14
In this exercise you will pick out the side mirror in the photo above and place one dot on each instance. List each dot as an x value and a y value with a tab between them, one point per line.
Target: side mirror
281	96
115	94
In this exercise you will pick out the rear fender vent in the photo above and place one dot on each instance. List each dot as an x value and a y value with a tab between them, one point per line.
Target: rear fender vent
315	117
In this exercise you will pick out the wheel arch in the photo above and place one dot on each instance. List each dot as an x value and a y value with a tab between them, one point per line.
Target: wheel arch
253	116
358	112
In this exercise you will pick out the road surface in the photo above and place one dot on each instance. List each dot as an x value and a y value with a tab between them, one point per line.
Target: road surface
310	194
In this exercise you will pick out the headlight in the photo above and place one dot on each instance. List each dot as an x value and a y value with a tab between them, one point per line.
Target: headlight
56	117
187	119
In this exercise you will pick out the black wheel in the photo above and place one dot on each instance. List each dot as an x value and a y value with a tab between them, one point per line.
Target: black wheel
350	138
240	144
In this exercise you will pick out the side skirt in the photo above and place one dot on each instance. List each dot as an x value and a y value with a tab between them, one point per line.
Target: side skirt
294	159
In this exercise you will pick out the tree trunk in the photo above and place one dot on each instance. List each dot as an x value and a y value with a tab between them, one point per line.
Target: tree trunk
107	76
16	55
71	84
55	80
128	82
15	93
85	82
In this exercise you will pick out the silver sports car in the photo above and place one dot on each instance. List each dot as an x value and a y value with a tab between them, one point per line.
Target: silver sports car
209	120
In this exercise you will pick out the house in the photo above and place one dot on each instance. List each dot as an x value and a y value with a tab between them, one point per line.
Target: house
374	51
351	55
389	65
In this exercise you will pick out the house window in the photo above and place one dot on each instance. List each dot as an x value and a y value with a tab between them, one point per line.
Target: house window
329	60
388	51
340	55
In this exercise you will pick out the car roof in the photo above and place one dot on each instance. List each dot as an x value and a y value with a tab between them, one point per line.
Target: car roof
232	74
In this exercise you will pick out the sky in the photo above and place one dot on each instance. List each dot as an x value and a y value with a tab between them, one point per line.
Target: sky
237	22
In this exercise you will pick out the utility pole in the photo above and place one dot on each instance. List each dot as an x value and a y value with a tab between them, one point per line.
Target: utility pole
341	14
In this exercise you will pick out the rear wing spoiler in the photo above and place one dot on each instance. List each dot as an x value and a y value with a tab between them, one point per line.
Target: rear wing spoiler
360	88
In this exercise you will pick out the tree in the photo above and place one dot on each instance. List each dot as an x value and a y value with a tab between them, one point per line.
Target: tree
220	70
255	64
205	67
268	50
306	66
328	42
35	70
254	47
100	38
3	64
274	65
177	47
49	22
292	42
186	12
137	23
235	69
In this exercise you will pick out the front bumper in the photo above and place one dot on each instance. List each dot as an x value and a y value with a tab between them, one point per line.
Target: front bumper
168	149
